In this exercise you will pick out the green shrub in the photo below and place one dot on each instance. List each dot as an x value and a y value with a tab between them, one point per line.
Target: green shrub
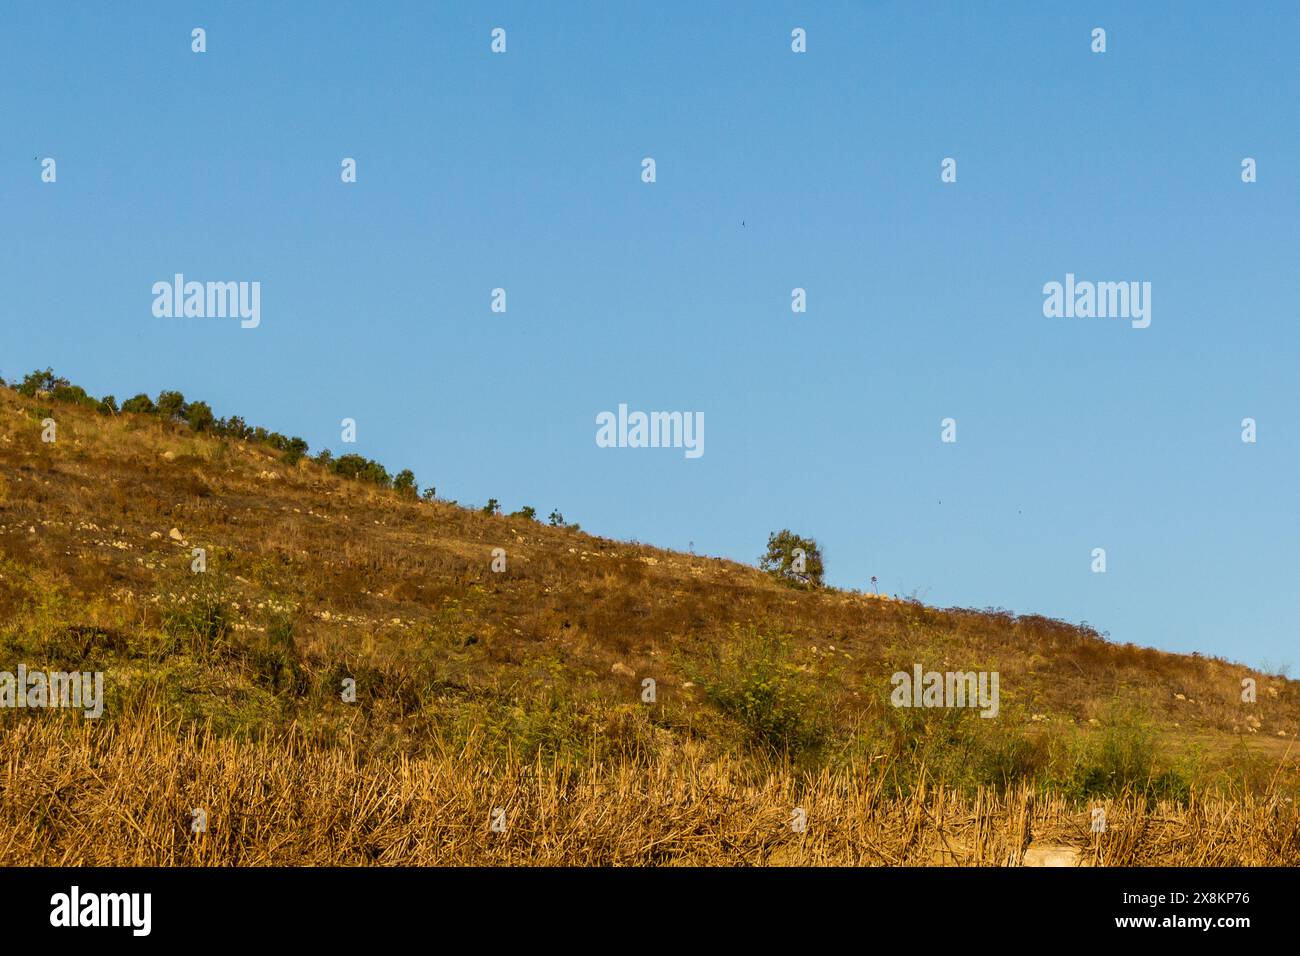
293	451
40	381
754	681
140	404
361	469
73	395
234	427
199	416
171	405
405	483
1122	757
793	559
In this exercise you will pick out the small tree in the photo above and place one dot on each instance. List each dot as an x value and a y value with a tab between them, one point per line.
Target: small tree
793	559
349	466
493	507
41	381
199	415
404	483
430	493
171	405
293	451
377	473
556	519
141	404
234	427
527	511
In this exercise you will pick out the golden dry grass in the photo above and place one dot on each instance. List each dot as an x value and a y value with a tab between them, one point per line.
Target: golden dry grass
125	795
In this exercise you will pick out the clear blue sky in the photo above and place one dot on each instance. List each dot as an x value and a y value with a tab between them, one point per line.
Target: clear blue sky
924	299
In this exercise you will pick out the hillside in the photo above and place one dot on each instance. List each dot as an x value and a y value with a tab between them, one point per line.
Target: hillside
314	580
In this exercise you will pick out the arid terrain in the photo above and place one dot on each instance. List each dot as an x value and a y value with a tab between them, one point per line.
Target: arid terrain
348	680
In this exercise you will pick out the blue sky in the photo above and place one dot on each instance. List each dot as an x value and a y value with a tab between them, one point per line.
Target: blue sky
522	171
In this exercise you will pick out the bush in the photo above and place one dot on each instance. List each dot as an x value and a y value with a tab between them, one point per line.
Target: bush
527	512
493	507
293	451
199	415
361	469
956	746
171	405
793	559
234	427
755	682
1121	757
73	394
40	381
140	404
404	483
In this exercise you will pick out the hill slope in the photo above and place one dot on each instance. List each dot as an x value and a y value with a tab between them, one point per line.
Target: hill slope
315	583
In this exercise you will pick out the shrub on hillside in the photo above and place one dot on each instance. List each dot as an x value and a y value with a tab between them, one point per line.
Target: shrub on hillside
404	483
755	681
953	745
557	521
140	404
1122	757
293	451
234	427
362	469
199	416
170	405
40	381
793	559
74	395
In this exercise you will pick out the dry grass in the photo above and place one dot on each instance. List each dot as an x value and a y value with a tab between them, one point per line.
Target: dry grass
124	795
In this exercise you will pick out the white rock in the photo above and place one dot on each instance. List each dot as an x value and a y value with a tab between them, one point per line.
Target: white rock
1053	856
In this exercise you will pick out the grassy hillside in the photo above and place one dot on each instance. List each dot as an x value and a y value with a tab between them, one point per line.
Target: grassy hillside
535	675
